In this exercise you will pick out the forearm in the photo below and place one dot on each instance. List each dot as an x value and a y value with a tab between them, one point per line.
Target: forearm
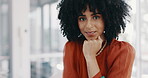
92	66
90	48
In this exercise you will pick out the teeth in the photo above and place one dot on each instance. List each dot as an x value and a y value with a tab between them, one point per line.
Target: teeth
91	32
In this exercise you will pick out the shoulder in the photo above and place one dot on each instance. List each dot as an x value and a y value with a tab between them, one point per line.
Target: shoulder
72	52
118	48
121	46
120	51
71	46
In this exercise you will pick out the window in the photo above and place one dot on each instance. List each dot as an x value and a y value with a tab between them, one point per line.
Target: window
4	40
46	40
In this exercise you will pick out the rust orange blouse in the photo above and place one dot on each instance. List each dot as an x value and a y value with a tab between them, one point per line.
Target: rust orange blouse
115	61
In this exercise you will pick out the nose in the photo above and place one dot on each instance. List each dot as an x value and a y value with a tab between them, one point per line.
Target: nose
89	24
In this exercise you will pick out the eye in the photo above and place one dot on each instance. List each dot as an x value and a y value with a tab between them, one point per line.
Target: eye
82	19
96	17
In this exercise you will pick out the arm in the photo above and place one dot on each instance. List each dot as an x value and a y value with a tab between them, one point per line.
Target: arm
92	66
90	48
120	61
69	64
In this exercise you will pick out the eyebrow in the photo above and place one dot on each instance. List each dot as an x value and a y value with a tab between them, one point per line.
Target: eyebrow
91	14
95	13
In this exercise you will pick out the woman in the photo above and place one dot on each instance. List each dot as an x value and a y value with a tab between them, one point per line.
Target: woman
92	28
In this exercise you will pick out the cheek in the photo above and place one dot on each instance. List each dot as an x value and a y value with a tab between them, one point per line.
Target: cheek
100	26
81	26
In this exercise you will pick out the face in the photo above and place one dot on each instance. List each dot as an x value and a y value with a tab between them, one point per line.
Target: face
91	25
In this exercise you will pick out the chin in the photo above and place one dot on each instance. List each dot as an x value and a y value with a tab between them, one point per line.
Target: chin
93	38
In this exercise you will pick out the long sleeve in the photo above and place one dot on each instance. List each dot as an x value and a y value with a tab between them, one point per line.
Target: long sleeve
120	61
98	75
115	61
69	63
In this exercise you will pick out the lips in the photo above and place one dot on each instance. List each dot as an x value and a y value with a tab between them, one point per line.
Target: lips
91	33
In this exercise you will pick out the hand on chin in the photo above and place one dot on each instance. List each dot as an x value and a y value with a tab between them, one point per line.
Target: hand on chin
92	38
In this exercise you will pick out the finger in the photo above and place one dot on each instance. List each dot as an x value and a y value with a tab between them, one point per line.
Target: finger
84	41
99	39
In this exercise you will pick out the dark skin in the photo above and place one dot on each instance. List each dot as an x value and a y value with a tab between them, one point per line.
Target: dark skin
91	26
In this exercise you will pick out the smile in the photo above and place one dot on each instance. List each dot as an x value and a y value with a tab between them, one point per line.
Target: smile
92	33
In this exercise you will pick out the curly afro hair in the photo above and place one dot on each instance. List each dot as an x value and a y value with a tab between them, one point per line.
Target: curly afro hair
114	13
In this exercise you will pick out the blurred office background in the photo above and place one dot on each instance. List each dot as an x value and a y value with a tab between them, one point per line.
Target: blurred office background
31	44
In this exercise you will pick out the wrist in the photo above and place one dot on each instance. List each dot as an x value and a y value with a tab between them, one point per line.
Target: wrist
92	65
90	58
